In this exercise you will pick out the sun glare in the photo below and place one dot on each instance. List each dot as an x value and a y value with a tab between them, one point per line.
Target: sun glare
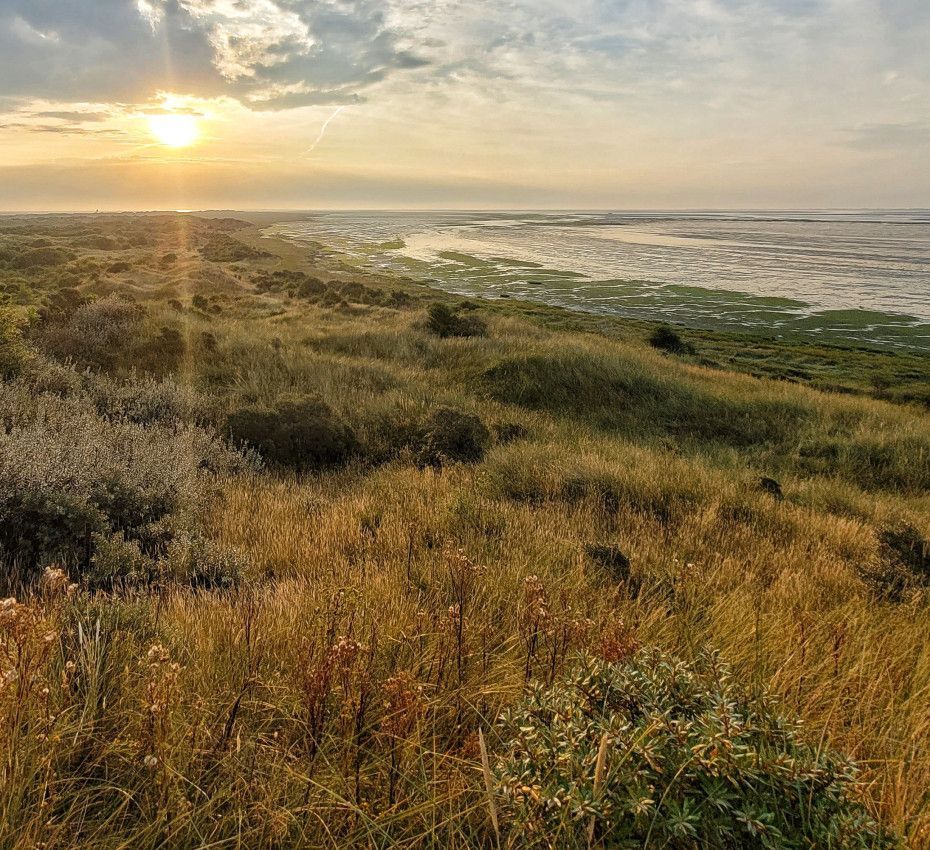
175	130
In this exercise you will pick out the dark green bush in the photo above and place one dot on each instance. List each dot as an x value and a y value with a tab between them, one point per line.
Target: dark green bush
310	287
453	435
304	434
443	321
610	558
904	565
665	339
690	760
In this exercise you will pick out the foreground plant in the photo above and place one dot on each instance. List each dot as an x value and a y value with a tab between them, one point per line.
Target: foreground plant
653	752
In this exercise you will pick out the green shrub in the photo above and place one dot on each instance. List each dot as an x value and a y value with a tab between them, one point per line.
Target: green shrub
453	435
665	339
98	333
70	479
304	435
42	258
192	559
903	566
310	287
611	558
117	563
689	760
13	350
444	322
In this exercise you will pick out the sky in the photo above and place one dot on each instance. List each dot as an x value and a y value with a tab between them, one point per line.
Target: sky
593	104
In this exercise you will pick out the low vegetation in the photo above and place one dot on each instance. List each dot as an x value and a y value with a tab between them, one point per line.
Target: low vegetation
295	556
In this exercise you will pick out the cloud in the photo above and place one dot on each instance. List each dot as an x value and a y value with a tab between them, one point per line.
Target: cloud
889	137
59	129
269	54
72	116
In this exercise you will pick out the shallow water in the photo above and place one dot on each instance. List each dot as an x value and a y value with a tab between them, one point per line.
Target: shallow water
859	276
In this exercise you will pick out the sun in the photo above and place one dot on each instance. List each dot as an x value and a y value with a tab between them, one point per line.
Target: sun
174	129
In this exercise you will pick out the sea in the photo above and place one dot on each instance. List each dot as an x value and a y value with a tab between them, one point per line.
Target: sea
858	277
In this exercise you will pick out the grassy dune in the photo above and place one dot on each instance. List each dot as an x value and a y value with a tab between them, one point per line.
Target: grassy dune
382	609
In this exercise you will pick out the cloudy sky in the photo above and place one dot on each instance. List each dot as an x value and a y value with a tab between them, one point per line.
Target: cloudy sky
464	103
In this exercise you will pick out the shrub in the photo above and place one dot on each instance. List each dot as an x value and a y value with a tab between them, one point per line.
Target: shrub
665	339
444	322
688	760
452	435
148	401
117	563
611	558
70	479
311	287
42	258
904	564
509	432
220	248
13	350
194	560
304	435
97	333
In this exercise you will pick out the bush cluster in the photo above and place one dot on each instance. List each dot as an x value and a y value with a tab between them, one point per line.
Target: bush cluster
303	434
687	759
904	565
220	248
444	322
77	485
13	350
452	435
97	333
666	339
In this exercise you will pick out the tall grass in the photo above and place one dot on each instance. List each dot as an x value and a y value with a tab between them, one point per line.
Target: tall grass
340	694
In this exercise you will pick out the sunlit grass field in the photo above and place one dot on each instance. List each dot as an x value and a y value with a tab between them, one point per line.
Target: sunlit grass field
385	607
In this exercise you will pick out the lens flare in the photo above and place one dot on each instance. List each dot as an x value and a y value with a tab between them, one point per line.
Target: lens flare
174	129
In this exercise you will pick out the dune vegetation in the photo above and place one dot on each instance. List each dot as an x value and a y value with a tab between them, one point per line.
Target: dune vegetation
300	556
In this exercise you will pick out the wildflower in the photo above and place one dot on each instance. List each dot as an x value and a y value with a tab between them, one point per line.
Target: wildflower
54	579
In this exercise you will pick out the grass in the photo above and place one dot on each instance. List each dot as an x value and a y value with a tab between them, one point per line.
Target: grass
390	611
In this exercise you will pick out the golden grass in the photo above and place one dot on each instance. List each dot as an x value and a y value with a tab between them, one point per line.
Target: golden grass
335	698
